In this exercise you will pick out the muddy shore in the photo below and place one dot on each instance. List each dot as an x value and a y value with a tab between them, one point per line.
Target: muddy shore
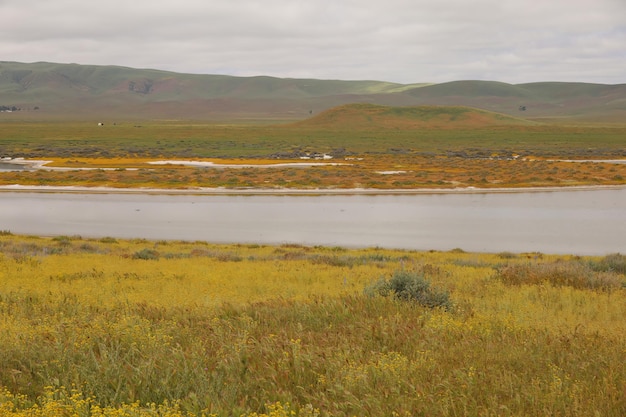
288	191
41	164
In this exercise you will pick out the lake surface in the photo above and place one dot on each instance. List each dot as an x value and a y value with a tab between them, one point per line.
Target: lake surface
578	222
11	167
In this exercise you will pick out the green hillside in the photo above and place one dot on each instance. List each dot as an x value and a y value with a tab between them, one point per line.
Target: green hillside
42	90
471	89
18	78
544	100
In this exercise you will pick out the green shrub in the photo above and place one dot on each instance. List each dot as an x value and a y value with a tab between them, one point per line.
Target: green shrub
63	240
334	260
614	262
506	255
146	254
457	250
410	286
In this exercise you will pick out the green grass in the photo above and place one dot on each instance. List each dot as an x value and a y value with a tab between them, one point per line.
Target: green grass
188	140
474	88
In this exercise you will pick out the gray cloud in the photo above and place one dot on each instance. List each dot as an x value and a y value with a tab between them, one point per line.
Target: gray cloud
395	40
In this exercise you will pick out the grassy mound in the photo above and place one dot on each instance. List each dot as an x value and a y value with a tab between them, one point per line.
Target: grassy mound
370	116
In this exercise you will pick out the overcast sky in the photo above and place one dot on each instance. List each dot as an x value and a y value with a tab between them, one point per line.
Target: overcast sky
405	41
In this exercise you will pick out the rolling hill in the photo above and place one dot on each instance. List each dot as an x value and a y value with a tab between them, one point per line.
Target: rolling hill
373	117
49	90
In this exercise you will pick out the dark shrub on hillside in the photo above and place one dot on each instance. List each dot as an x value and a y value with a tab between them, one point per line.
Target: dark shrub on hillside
410	286
146	254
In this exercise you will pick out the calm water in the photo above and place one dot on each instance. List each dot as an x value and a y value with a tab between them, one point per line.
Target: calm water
11	167
578	222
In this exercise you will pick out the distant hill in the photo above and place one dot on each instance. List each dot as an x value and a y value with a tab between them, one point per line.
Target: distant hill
549	100
41	90
371	116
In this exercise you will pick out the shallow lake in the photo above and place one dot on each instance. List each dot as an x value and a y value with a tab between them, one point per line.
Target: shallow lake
11	167
591	222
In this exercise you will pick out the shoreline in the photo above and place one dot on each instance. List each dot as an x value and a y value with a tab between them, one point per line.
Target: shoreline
41	165
295	192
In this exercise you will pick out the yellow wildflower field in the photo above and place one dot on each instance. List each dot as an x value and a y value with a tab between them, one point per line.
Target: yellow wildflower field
107	327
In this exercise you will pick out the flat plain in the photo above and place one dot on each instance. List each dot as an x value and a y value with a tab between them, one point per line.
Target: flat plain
111	327
368	147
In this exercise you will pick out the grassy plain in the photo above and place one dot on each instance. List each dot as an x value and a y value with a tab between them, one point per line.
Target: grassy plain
392	152
142	328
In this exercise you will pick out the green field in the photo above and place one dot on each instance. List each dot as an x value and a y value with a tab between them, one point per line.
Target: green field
347	132
141	328
423	147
